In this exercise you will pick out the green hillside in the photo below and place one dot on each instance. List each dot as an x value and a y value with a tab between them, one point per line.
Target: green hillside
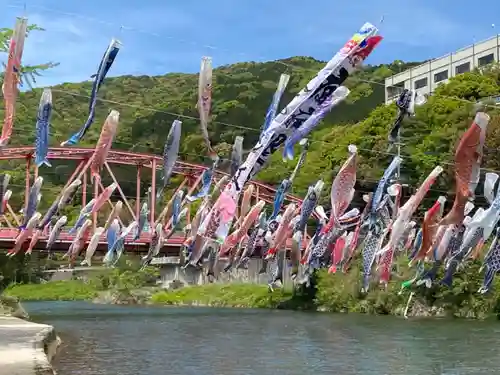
148	105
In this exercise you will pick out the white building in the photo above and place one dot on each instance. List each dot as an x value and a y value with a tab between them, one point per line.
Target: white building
426	77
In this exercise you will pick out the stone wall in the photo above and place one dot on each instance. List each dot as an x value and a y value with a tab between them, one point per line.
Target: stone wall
192	276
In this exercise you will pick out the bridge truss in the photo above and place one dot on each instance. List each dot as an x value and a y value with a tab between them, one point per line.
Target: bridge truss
143	168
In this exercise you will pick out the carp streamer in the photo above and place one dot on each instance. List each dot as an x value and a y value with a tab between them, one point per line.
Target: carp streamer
205	101
104	66
43	129
12	78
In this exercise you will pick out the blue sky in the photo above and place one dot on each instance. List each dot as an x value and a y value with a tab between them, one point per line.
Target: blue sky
161	36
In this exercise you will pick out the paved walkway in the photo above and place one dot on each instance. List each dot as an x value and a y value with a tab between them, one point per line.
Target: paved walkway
22	347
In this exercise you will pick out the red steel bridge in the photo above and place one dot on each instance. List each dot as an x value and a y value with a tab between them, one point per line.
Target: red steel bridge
120	165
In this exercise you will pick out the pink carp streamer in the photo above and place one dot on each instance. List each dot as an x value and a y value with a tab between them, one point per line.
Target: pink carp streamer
468	157
205	101
343	186
12	78
385	262
245	202
283	230
238	235
103	197
429	228
104	143
26	233
408	209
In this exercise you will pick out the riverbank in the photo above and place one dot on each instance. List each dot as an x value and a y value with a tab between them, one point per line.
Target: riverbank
227	295
68	290
336	293
26	348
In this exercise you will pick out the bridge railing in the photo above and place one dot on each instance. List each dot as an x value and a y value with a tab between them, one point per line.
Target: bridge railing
10	234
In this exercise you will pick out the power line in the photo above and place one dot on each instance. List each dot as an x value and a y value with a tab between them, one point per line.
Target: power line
212	47
120	27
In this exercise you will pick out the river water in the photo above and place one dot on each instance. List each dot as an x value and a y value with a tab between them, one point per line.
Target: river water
111	340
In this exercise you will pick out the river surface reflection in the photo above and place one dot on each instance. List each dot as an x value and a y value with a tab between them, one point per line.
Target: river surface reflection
111	340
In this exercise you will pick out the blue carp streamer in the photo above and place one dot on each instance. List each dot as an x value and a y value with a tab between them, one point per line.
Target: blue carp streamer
42	129
104	66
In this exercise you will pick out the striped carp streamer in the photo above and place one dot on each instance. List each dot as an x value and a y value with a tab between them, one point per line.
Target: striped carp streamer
104	143
104	66
170	154
12	78
302	106
406	103
205	101
309	100
43	129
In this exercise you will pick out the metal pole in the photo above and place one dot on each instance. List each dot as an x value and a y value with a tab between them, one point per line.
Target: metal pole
84	190
96	194
120	191
138	193
27	191
152	196
398	177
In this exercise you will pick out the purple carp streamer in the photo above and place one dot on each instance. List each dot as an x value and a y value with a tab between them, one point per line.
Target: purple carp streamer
104	143
170	154
338	96
33	200
205	101
273	107
236	155
12	78
43	129
104	66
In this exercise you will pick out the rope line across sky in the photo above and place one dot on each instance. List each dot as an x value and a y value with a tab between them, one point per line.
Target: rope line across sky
121	28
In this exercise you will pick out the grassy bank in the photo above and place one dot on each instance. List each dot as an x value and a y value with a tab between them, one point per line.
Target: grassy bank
341	293
126	277
220	295
70	290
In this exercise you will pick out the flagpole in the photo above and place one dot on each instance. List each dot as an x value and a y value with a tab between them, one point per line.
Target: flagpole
399	155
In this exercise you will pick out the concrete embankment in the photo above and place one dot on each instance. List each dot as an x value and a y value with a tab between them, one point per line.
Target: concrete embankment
26	348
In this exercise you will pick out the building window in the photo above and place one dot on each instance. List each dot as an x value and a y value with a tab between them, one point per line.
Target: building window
395	90
441	76
420	83
485	60
462	68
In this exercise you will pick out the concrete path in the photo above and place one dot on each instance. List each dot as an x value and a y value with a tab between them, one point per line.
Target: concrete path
23	346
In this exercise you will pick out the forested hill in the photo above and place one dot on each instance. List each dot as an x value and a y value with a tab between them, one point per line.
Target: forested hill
148	105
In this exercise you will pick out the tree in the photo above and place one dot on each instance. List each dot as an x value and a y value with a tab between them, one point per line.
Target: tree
28	72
